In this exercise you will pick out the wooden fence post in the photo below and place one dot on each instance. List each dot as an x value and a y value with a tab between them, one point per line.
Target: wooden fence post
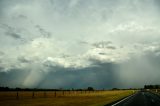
55	94
33	94
44	93
17	95
63	93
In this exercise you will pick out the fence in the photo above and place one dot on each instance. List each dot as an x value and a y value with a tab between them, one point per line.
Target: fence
46	94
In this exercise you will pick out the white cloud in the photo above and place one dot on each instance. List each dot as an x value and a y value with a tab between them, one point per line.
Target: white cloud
133	27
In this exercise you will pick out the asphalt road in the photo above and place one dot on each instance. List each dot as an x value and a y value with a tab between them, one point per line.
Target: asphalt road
140	99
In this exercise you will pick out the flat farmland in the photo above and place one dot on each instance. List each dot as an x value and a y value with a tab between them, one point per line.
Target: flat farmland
61	98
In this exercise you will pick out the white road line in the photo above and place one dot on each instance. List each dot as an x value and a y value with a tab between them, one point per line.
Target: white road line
122	100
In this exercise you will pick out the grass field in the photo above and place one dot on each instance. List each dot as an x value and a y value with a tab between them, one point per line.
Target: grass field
49	98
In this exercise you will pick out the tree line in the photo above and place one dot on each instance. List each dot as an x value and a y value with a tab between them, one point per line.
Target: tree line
151	86
43	89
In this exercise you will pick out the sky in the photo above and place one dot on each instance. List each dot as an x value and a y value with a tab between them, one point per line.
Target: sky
79	43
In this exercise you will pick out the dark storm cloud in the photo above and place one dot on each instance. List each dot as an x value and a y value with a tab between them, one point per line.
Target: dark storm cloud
101	76
140	70
13	78
52	56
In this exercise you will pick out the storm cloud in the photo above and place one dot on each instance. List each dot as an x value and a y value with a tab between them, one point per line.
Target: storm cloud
79	43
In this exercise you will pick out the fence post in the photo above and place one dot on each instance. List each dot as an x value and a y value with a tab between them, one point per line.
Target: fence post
33	94
63	93
55	94
17	95
44	93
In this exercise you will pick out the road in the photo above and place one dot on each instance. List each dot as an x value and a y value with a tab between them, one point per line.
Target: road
140	99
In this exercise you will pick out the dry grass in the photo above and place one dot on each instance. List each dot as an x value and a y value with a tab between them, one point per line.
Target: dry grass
48	98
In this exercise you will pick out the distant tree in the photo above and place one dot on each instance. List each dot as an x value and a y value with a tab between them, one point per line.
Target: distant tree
156	86
4	88
18	89
151	86
90	89
115	89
